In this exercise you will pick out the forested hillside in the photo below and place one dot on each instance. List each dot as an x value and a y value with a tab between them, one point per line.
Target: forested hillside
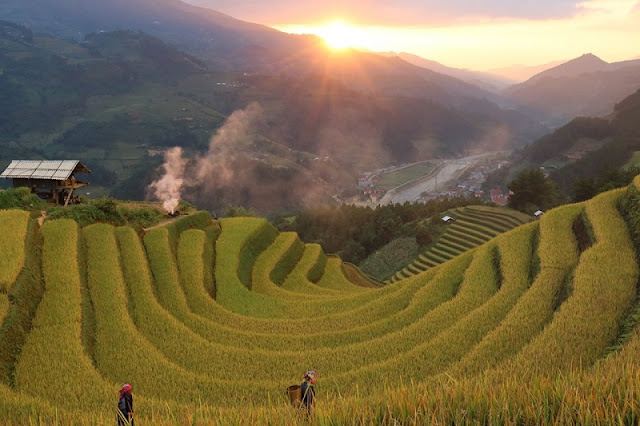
583	152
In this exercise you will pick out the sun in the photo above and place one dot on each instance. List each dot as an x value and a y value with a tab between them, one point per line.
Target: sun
340	35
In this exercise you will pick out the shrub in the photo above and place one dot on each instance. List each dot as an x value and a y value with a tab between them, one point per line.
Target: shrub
394	256
142	217
100	210
20	198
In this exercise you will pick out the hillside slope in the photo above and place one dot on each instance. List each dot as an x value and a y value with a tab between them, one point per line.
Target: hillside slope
585	86
198	304
584	148
228	41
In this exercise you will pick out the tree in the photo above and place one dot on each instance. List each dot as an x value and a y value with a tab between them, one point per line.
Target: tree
608	179
239	211
425	233
584	189
532	190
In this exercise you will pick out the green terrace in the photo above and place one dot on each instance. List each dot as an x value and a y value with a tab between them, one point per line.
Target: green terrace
471	227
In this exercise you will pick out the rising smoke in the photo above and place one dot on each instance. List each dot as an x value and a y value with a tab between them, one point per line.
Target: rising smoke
212	170
168	188
215	168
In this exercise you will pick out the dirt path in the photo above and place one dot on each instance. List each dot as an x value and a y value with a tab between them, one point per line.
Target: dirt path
43	216
162	223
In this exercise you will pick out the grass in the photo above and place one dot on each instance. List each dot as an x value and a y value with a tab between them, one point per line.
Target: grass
24	299
535	308
604	287
307	272
53	365
634	161
4	306
390	180
394	256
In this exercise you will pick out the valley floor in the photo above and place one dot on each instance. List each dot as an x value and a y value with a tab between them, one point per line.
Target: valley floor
444	173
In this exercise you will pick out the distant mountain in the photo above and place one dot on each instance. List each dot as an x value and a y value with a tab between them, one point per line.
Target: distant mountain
585	86
520	73
587	63
620	147
483	80
226	43
373	73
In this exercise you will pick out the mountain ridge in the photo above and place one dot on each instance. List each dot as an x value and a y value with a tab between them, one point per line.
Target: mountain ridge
586	63
583	86
229	44
121	99
484	80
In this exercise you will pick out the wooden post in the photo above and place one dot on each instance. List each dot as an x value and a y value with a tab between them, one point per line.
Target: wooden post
66	201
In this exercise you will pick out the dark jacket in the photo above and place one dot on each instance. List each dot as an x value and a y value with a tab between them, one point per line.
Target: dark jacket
125	405
308	393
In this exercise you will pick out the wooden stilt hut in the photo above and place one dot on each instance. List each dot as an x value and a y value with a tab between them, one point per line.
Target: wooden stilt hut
51	180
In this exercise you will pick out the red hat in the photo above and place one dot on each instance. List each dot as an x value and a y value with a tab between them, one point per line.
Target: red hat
311	375
124	389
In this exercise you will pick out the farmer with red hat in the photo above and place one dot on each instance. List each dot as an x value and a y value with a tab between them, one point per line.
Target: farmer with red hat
125	406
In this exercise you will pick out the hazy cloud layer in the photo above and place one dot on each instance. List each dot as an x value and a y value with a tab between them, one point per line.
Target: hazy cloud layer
384	12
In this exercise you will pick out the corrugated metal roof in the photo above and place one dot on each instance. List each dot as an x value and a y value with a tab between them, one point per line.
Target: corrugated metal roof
43	169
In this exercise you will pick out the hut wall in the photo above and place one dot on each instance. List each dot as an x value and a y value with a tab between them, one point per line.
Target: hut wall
41	184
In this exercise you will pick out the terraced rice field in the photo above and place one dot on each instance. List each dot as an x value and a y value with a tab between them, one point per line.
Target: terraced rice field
210	321
13	228
473	226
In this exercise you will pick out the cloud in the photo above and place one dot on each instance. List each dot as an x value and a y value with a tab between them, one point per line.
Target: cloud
610	8
383	12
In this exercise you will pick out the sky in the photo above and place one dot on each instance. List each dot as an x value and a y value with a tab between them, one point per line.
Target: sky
473	34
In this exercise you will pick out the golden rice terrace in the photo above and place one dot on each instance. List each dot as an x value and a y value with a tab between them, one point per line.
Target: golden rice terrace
210	321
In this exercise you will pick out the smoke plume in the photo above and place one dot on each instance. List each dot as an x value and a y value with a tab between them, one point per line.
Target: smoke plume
168	188
213	170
